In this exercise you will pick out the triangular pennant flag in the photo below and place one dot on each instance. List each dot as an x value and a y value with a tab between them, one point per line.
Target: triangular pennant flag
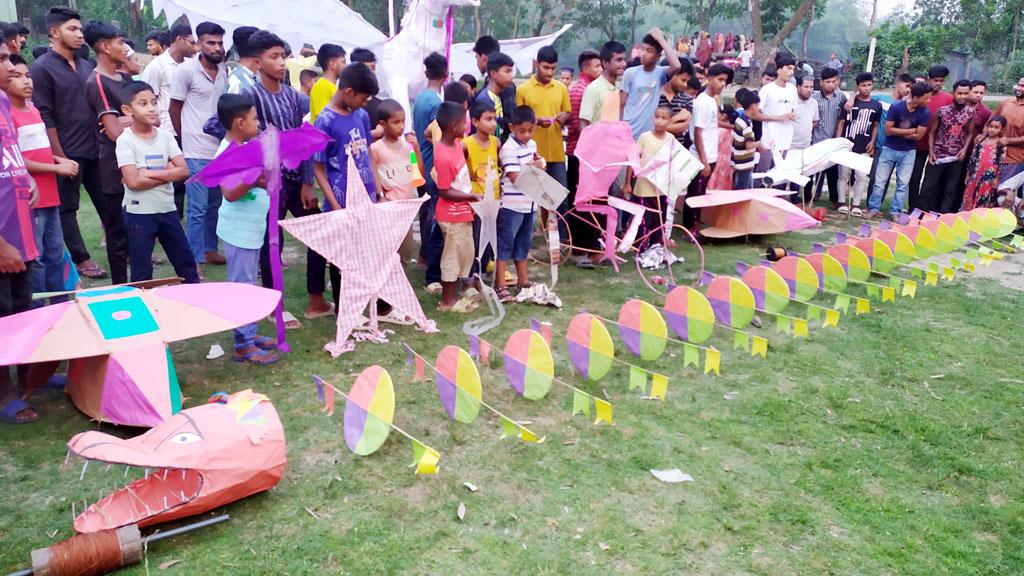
485	352
508	428
831	318
917	273
863	306
408	355
842	302
948	273
417	451
741	340
782	324
931	278
888	294
659	386
817	248
580	402
909	288
894	282
474	346
841	237
319	388
934	267
420	370
604	411
427	463
690	355
712	361
813	312
865	230
955	263
872	291
972	254
534	324
637	378
706	278
545	332
800	328
741	267
328	401
985	259
760	347
528	436
998	255
1017	241
968	267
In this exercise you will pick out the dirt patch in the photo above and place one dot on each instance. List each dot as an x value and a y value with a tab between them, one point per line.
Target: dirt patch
1007	272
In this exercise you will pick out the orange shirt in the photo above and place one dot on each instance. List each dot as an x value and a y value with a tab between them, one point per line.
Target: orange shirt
1013	109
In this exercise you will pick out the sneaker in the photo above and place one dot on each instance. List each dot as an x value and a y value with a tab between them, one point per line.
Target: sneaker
433	288
857	212
843	209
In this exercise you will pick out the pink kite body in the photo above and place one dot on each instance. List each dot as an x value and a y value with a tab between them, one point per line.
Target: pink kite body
731	213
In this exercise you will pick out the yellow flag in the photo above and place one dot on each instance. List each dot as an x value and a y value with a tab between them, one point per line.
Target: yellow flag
986	259
969	267
997	255
637	378
831	318
529	436
910	288
604	411
659	385
931	278
426	458
508	428
760	347
863	306
712	361
580	402
741	340
800	328
948	273
888	294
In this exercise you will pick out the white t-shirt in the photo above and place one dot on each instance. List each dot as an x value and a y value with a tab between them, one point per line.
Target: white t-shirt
154	154
745	57
513	157
776	101
158	75
803	128
705	117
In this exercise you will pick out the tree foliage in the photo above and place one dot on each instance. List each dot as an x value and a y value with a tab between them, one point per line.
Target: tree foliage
924	46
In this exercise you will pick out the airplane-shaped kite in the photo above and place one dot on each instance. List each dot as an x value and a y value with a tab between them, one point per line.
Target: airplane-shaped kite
797	165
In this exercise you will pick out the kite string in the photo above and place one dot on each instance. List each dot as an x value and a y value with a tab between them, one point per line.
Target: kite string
668	338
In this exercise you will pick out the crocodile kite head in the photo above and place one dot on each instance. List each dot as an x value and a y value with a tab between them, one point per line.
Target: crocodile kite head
196	460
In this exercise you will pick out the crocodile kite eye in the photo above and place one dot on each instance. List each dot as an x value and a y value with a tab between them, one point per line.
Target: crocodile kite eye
185	438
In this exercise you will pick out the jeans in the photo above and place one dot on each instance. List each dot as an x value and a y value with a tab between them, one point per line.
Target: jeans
938	191
145	230
316	265
515	234
243	267
201	205
433	242
70	191
48	269
743	179
560	173
900	161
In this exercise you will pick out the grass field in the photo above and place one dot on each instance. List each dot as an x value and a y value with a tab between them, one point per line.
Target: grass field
891	445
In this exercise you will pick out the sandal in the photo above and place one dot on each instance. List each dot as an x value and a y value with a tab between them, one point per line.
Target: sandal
90	269
314	315
464	306
393	317
265	343
257	357
290	321
504	296
13	407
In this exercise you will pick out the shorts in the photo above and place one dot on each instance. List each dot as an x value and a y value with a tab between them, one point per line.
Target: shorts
515	234
457	256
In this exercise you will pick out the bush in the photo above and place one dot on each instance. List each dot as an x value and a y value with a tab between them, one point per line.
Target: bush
926	46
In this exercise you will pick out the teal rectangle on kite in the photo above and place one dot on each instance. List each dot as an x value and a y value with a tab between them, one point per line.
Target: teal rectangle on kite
123	317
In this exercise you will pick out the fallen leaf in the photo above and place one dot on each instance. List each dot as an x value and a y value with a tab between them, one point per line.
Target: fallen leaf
470	486
461	512
730	395
168	564
569	443
672	476
603	546
938	376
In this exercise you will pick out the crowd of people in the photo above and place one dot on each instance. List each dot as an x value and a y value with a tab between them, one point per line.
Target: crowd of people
86	114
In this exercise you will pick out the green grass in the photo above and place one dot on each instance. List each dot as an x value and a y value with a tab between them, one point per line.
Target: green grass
842	454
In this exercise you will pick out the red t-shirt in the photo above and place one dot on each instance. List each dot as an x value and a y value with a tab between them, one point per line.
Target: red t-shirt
450	165
35	146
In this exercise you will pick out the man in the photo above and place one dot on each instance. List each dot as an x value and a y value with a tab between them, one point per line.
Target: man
566	75
831	103
1013	137
583	235
981	112
196	85
482	48
156	44
613	65
59	79
367	57
777	112
834	63
243	76
900	91
936	79
16	37
641	85
704	135
805	123
905	124
860	126
745	56
949	135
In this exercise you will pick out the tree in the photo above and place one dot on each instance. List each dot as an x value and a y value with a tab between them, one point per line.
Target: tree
701	12
765	51
900	48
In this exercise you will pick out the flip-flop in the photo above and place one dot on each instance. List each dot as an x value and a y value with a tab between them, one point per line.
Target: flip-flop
265	343
321	314
93	271
250	358
290	321
464	306
393	317
10	410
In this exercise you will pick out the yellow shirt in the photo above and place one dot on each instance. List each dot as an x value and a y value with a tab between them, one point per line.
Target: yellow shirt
320	96
477	160
649	146
546	101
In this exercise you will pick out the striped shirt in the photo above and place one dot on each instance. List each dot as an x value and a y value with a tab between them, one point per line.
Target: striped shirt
742	132
830	109
575	99
284	110
681	101
513	157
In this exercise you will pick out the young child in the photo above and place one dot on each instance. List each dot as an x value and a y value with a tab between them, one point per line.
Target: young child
397	162
500	75
48	269
484	167
983	169
150	162
306	80
453	92
454	216
650	197
744	143
515	217
242	224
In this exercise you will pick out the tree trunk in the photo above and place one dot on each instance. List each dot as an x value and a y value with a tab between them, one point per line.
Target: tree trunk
632	36
476	22
807	31
759	48
515	24
874	15
765	51
905	65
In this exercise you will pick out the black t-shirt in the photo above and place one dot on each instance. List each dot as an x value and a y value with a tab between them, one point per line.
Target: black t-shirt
105	96
859	121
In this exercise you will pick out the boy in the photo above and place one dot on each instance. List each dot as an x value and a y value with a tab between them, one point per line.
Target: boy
744	144
515	217
106	91
860	127
242	224
704	135
778	111
484	167
424	111
641	85
48	269
454	216
150	160
306	80
652	227
331	59
613	64
397	162
905	124
500	69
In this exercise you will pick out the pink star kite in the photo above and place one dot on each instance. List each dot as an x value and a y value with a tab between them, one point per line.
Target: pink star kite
362	240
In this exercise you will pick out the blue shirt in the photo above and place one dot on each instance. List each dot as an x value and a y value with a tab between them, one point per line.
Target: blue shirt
643	90
901	117
348	132
243	223
886	101
424	111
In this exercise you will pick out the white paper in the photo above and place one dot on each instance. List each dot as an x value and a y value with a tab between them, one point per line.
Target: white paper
215	352
672	476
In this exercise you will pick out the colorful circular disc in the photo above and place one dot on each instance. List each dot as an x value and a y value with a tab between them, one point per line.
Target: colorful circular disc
771	293
944	240
529	366
799	275
879	254
961	233
1003	222
977	223
902	247
458	384
642	329
830	272
369	411
732	301
856	262
923	239
590	346
689	314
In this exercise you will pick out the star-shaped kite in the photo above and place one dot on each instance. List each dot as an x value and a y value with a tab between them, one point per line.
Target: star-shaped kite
362	240
487	210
